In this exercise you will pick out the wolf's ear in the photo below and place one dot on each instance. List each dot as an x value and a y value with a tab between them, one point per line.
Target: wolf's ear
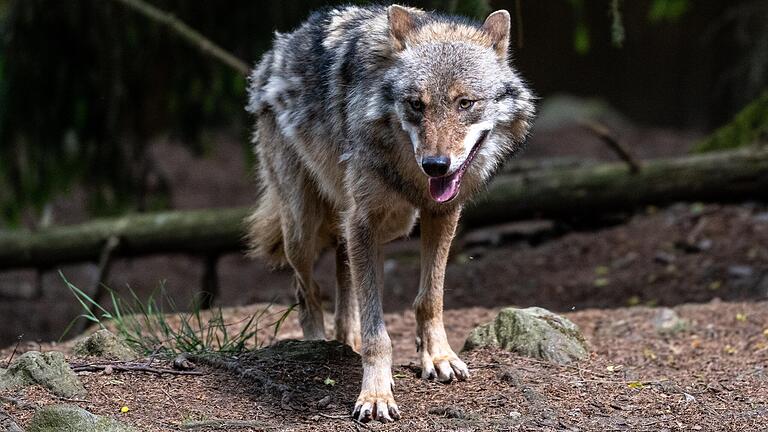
497	26
402	21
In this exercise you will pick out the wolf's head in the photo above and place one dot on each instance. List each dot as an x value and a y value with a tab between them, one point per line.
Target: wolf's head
455	95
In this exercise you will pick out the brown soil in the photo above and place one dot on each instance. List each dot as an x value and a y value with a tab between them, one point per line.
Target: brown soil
711	377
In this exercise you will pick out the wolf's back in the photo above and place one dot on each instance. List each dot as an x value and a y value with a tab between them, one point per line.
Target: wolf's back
299	90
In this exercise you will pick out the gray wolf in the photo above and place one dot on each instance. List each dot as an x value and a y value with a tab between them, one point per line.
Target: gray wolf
367	119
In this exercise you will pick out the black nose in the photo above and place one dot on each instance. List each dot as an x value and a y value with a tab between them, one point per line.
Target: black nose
436	166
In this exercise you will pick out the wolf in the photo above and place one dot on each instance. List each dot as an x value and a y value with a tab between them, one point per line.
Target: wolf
367	119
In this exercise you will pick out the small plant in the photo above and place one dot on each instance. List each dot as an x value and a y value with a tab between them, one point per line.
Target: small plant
150	329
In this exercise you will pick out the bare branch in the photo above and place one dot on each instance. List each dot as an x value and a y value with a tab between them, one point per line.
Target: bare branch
611	141
205	45
124	367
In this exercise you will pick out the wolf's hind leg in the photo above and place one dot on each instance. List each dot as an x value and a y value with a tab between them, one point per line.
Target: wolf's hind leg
437	358
347	314
300	232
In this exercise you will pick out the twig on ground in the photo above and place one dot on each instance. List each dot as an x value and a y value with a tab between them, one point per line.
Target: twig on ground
15	348
8	423
117	367
170	398
334	416
358	424
18	402
613	143
73	400
226	424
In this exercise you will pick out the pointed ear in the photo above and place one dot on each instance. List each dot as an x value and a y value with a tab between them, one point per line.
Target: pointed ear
497	26
402	21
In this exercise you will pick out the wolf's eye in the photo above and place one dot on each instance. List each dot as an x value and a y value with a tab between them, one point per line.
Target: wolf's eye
416	104
466	104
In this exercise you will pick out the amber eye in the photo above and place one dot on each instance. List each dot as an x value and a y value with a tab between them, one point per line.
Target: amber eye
416	104
465	104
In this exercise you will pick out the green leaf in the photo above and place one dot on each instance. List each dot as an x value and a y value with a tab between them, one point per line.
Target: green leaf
581	42
617	25
667	10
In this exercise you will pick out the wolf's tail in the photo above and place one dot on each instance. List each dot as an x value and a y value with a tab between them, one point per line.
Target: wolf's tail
265	234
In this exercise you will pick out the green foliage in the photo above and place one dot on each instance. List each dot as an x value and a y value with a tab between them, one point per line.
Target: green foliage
149	329
581	39
618	32
667	10
748	127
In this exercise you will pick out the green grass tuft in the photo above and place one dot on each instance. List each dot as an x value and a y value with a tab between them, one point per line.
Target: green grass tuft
147	326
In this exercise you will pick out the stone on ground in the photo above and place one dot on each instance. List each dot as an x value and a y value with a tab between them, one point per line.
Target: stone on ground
668	322
106	345
69	418
533	332
49	370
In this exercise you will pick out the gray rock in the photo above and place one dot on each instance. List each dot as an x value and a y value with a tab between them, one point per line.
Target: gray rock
105	344
49	370
740	271
533	332
667	321
762	217
69	418
761	289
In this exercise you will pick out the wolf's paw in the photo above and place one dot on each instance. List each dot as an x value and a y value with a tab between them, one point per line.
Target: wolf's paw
376	406
351	338
445	365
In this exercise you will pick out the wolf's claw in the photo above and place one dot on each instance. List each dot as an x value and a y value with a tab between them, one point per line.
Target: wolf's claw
445	368
381	408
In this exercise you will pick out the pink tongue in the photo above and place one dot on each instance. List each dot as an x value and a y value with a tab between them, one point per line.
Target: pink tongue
444	188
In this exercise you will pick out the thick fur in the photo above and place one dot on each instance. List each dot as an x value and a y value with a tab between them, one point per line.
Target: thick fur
347	108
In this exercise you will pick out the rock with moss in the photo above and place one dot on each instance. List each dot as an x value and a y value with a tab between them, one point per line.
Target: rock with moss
105	344
69	418
532	332
49	370
668	322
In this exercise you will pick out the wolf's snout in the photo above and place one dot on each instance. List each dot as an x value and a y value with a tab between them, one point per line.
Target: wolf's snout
436	166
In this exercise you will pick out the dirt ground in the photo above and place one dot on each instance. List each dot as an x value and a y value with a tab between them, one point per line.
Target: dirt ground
711	376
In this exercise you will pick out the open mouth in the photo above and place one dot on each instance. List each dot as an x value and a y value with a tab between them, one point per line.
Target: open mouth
445	188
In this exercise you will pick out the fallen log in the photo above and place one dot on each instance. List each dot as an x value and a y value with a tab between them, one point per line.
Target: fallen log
608	188
196	232
555	193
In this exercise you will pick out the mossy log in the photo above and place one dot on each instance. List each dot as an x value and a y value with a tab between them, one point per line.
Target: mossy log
556	193
196	232
748	128
588	191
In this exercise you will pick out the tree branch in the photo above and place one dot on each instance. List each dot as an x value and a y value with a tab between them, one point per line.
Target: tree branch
192	36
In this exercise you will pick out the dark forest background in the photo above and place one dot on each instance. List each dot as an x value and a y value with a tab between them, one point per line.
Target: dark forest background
85	85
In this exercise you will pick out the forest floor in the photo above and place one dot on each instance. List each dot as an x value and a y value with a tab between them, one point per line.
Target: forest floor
710	376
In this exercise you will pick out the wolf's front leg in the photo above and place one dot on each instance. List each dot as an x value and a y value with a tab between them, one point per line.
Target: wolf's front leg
376	401
437	358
